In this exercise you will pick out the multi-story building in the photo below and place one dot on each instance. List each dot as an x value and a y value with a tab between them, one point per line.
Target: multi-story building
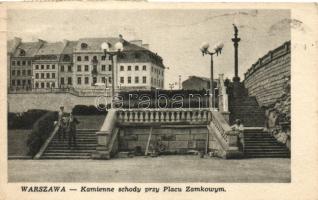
21	63
81	64
45	65
11	47
66	68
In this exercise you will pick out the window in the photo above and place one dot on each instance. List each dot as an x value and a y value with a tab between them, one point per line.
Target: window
144	79
29	72
29	82
13	72
47	75
42	75
151	68
22	52
18	82
53	66
23	62
53	84
13	62
129	79
69	68
29	62
23	82
62	81
42	66
121	79
23	72
48	85
110	80
18	73
36	75
13	82
144	68
79	80
83	45
79	58
103	79
109	67
121	68
103	58
67	58
86	58
151	80
36	84
94	80
136	79
79	68
53	75
129	68
62	68
86	68
69	80
18	63
136	68
86	80
47	66
103	67
36	66
42	85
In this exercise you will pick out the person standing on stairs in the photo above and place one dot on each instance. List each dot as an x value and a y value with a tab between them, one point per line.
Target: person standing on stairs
71	130
239	129
62	124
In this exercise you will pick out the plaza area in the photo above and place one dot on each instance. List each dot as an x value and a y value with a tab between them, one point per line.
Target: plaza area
156	170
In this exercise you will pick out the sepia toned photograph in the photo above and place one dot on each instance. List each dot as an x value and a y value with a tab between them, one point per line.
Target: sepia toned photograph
149	96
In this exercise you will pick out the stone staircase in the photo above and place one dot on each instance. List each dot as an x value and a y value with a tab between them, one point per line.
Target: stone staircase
260	144
86	145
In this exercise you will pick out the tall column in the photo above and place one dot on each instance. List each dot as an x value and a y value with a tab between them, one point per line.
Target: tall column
236	40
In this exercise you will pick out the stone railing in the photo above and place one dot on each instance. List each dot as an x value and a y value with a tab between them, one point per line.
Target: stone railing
269	57
227	139
223	98
187	116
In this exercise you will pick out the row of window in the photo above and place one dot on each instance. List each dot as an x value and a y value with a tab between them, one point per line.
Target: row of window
157	82
21	62
21	72
43	67
69	68
94	58
157	71
86	68
44	85
94	80
48	75
129	80
21	82
122	68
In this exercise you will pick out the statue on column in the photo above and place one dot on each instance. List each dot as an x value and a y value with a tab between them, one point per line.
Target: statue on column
235	29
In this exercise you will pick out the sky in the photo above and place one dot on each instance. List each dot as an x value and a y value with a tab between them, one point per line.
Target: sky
176	35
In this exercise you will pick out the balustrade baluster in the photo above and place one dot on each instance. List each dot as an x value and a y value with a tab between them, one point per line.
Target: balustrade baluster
157	116
182	115
162	117
152	117
125	116
172	116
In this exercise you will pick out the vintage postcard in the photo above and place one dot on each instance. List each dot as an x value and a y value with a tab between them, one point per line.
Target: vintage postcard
158	101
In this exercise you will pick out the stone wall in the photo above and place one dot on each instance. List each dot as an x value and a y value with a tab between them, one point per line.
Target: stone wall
174	139
48	101
265	79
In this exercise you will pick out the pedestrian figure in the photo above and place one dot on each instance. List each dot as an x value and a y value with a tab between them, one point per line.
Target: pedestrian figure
62	124
71	129
239	129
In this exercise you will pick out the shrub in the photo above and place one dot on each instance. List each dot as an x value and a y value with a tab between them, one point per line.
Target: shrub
24	120
42	128
89	110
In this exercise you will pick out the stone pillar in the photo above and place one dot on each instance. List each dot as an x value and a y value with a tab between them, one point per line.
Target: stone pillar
236	40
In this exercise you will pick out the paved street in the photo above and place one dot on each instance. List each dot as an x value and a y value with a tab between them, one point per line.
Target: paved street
160	169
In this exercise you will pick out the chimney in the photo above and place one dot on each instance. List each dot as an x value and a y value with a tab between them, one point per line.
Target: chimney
65	42
136	42
146	46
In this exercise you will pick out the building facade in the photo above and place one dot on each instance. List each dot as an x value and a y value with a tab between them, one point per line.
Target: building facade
20	65
82	65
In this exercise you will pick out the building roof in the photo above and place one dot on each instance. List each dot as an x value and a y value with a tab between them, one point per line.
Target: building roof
200	77
49	48
29	48
69	47
12	45
94	44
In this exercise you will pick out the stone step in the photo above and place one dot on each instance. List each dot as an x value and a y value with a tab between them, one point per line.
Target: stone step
272	150
66	157
93	147
265	147
66	154
77	140
267	156
75	150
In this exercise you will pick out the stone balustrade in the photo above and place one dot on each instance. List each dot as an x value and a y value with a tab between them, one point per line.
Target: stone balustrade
163	116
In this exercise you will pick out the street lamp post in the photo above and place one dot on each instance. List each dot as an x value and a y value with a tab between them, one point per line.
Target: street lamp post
216	50
118	49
